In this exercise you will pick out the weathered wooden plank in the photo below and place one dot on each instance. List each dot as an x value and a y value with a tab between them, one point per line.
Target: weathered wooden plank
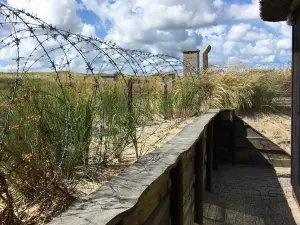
295	150
187	157
161	215
209	150
188	189
233	137
177	194
150	199
199	178
216	143
148	203
188	205
158	188
188	175
189	216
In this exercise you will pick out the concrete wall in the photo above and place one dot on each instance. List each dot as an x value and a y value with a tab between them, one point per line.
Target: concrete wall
191	61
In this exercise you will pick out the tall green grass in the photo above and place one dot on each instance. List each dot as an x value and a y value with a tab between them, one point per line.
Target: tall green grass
246	91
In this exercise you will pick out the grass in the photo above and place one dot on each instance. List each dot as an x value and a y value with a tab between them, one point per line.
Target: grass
54	135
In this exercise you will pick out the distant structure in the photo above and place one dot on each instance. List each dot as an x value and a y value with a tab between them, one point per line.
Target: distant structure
191	61
108	76
205	57
167	77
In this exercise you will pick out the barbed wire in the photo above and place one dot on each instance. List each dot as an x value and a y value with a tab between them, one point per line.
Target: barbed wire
74	120
73	105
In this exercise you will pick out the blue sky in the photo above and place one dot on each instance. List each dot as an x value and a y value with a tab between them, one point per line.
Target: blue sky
233	28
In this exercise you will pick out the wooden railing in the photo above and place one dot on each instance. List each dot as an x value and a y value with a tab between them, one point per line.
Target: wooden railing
165	186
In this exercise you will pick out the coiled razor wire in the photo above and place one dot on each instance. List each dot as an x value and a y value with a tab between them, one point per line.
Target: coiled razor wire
35	47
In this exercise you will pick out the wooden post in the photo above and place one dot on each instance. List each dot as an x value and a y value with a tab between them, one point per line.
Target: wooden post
130	117
129	98
120	222
215	146
205	57
295	146
209	150
199	178
177	194
166	105
232	141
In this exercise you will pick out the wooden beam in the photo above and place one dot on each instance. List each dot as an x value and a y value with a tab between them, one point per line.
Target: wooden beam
120	222
199	179
233	137
216	143
209	150
295	150
177	194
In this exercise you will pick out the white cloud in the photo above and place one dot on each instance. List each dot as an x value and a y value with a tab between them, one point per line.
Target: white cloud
244	11
167	26
234	60
88	30
218	3
245	32
228	47
284	43
237	32
57	12
208	31
60	13
269	59
256	34
260	48
282	27
162	23
285	52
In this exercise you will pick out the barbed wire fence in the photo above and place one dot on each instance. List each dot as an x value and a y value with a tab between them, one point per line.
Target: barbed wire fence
71	105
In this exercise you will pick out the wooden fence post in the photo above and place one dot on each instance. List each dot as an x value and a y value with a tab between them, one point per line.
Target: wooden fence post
233	133
216	143
129	98
166	103
209	150
177	194
199	177
130	117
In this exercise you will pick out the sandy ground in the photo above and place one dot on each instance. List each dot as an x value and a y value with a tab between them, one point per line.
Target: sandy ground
150	138
277	127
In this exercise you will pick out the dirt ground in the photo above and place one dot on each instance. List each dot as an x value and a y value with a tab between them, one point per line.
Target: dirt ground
149	138
277	127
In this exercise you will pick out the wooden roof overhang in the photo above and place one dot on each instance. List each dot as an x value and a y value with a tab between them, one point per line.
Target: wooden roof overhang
278	10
